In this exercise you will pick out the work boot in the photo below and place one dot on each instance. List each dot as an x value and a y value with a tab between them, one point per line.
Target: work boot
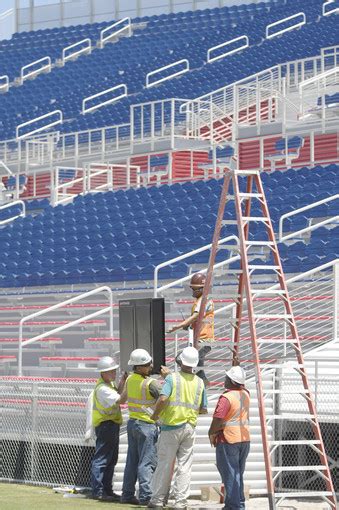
154	505
130	501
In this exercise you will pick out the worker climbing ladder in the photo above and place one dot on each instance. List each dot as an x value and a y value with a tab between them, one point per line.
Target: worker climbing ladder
245	188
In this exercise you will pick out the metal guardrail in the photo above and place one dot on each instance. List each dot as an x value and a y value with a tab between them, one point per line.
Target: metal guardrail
331	11
287	29
86	47
229	52
42	128
4	83
46	66
190	254
127	28
109	309
122	86
310	228
169	77
12	218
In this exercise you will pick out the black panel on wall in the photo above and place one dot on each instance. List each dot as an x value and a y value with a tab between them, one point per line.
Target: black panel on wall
142	326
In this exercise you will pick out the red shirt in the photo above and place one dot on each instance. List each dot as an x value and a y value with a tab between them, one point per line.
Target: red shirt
222	408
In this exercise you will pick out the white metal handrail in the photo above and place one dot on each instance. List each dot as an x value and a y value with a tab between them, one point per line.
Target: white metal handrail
104	103
109	308
128	27
317	78
12	218
229	52
169	77
283	30
283	238
48	126
8	170
332	11
46	65
84	49
4	87
190	254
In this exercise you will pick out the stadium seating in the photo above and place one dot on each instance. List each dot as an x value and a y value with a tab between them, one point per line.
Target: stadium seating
156	42
117	236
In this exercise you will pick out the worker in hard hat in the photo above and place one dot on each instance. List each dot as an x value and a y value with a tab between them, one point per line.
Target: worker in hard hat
206	334
182	398
229	433
106	419
142	434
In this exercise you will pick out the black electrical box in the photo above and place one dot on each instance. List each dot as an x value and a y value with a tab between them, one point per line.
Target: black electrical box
142	326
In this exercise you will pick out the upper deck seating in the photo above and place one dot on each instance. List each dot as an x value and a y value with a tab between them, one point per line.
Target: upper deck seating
118	236
164	40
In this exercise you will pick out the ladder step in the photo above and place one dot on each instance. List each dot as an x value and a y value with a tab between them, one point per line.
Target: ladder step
246	172
229	222
299	468
277	340
255	218
296	442
283	392
259	243
294	416
251	195
263	266
278	316
268	291
281	365
306	494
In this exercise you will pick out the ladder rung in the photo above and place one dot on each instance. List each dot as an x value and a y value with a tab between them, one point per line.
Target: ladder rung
259	243
295	442
229	222
278	316
263	266
255	218
299	468
283	392
281	365
268	291
291	417
251	195
246	172
310	494
277	340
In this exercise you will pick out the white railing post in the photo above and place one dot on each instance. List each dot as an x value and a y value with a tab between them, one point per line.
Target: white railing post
85	49
12	218
123	93
170	76
46	66
105	38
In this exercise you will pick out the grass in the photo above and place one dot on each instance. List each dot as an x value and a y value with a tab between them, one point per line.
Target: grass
28	497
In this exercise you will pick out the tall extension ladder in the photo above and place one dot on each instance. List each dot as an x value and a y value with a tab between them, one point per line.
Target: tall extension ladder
275	474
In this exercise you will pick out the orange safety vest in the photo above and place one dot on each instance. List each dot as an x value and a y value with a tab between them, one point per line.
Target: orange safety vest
236	422
207	327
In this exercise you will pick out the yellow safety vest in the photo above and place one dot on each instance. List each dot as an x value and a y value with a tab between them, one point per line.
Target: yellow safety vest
236	422
139	397
185	400
100	413
207	328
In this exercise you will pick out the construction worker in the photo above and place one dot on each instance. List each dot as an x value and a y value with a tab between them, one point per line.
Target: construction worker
182	398
206	334
106	420
142	393
229	433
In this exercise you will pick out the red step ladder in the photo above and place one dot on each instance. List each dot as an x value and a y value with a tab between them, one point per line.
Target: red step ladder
283	470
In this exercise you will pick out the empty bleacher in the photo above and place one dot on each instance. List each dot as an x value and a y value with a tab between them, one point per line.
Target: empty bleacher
161	41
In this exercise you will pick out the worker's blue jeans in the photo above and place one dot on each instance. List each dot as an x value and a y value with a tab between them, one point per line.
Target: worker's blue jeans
141	460
231	460
105	458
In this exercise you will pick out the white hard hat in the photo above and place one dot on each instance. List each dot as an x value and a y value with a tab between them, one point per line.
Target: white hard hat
107	363
189	357
139	357
237	375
